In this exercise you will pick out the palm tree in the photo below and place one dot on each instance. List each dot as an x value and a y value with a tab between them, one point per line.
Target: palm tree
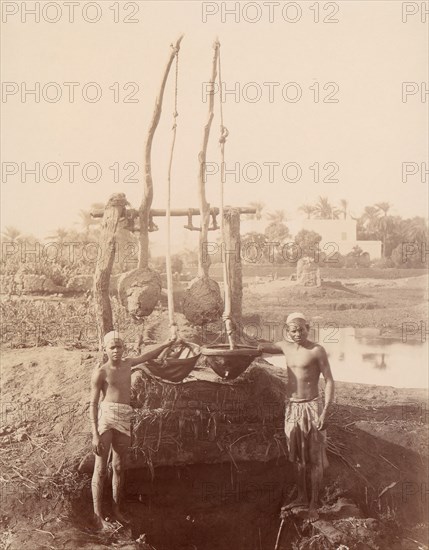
416	230
59	235
307	209
344	208
278	216
324	210
385	228
383	206
277	230
10	234
370	218
385	223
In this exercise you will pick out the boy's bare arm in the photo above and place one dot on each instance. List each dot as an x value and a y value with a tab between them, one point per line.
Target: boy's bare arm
269	347
325	369
152	353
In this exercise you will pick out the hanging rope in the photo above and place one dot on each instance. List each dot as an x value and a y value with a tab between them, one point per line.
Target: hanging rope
173	325
226	273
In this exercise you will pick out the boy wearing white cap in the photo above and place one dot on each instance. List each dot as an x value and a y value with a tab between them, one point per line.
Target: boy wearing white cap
305	417
110	419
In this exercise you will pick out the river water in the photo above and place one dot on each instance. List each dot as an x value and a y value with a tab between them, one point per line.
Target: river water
363	356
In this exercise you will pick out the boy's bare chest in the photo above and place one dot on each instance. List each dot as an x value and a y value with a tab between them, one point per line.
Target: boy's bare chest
120	377
300	358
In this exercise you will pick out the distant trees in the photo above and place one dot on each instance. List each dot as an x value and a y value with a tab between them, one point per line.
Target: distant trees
10	234
59	235
324	210
307	209
374	224
277	230
307	242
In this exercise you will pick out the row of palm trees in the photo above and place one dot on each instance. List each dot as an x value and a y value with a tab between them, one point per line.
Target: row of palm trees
321	210
60	235
375	222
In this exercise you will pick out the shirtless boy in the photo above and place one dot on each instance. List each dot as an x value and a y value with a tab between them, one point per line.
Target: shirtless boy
305	419
110	419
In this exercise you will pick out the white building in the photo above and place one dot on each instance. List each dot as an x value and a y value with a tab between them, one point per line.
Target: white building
337	235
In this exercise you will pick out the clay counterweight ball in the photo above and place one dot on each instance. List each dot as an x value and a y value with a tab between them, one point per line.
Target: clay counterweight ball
202	302
139	291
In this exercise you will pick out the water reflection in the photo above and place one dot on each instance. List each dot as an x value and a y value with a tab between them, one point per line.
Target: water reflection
376	359
363	356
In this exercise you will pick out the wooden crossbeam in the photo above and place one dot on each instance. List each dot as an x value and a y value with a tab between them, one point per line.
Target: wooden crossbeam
157	212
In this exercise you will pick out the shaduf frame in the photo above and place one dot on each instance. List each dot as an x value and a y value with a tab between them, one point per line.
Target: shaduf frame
139	290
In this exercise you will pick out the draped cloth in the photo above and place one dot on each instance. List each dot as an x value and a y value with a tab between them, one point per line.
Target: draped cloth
306	444
114	416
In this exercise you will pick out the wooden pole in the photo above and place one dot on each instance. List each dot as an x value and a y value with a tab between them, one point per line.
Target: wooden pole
232	247
144	211
203	267
168	268
112	213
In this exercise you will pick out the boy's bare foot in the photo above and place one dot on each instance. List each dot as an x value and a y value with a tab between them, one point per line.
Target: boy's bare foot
101	524
298	502
313	513
120	517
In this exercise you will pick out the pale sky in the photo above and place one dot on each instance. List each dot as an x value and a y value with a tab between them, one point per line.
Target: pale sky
369	133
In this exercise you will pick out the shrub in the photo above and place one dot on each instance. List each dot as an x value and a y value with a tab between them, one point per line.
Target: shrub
382	263
414	259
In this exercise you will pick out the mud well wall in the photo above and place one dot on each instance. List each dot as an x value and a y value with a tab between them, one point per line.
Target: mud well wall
207	422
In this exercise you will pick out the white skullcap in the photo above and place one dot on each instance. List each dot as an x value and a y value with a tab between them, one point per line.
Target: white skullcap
112	336
296	315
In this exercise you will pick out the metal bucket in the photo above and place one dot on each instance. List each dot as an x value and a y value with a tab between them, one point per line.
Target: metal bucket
226	362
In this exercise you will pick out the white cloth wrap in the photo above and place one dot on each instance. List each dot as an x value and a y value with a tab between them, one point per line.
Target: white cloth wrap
114	416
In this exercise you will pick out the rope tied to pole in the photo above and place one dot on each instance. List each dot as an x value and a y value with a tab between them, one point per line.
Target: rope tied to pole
226	273
176	91
173	324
